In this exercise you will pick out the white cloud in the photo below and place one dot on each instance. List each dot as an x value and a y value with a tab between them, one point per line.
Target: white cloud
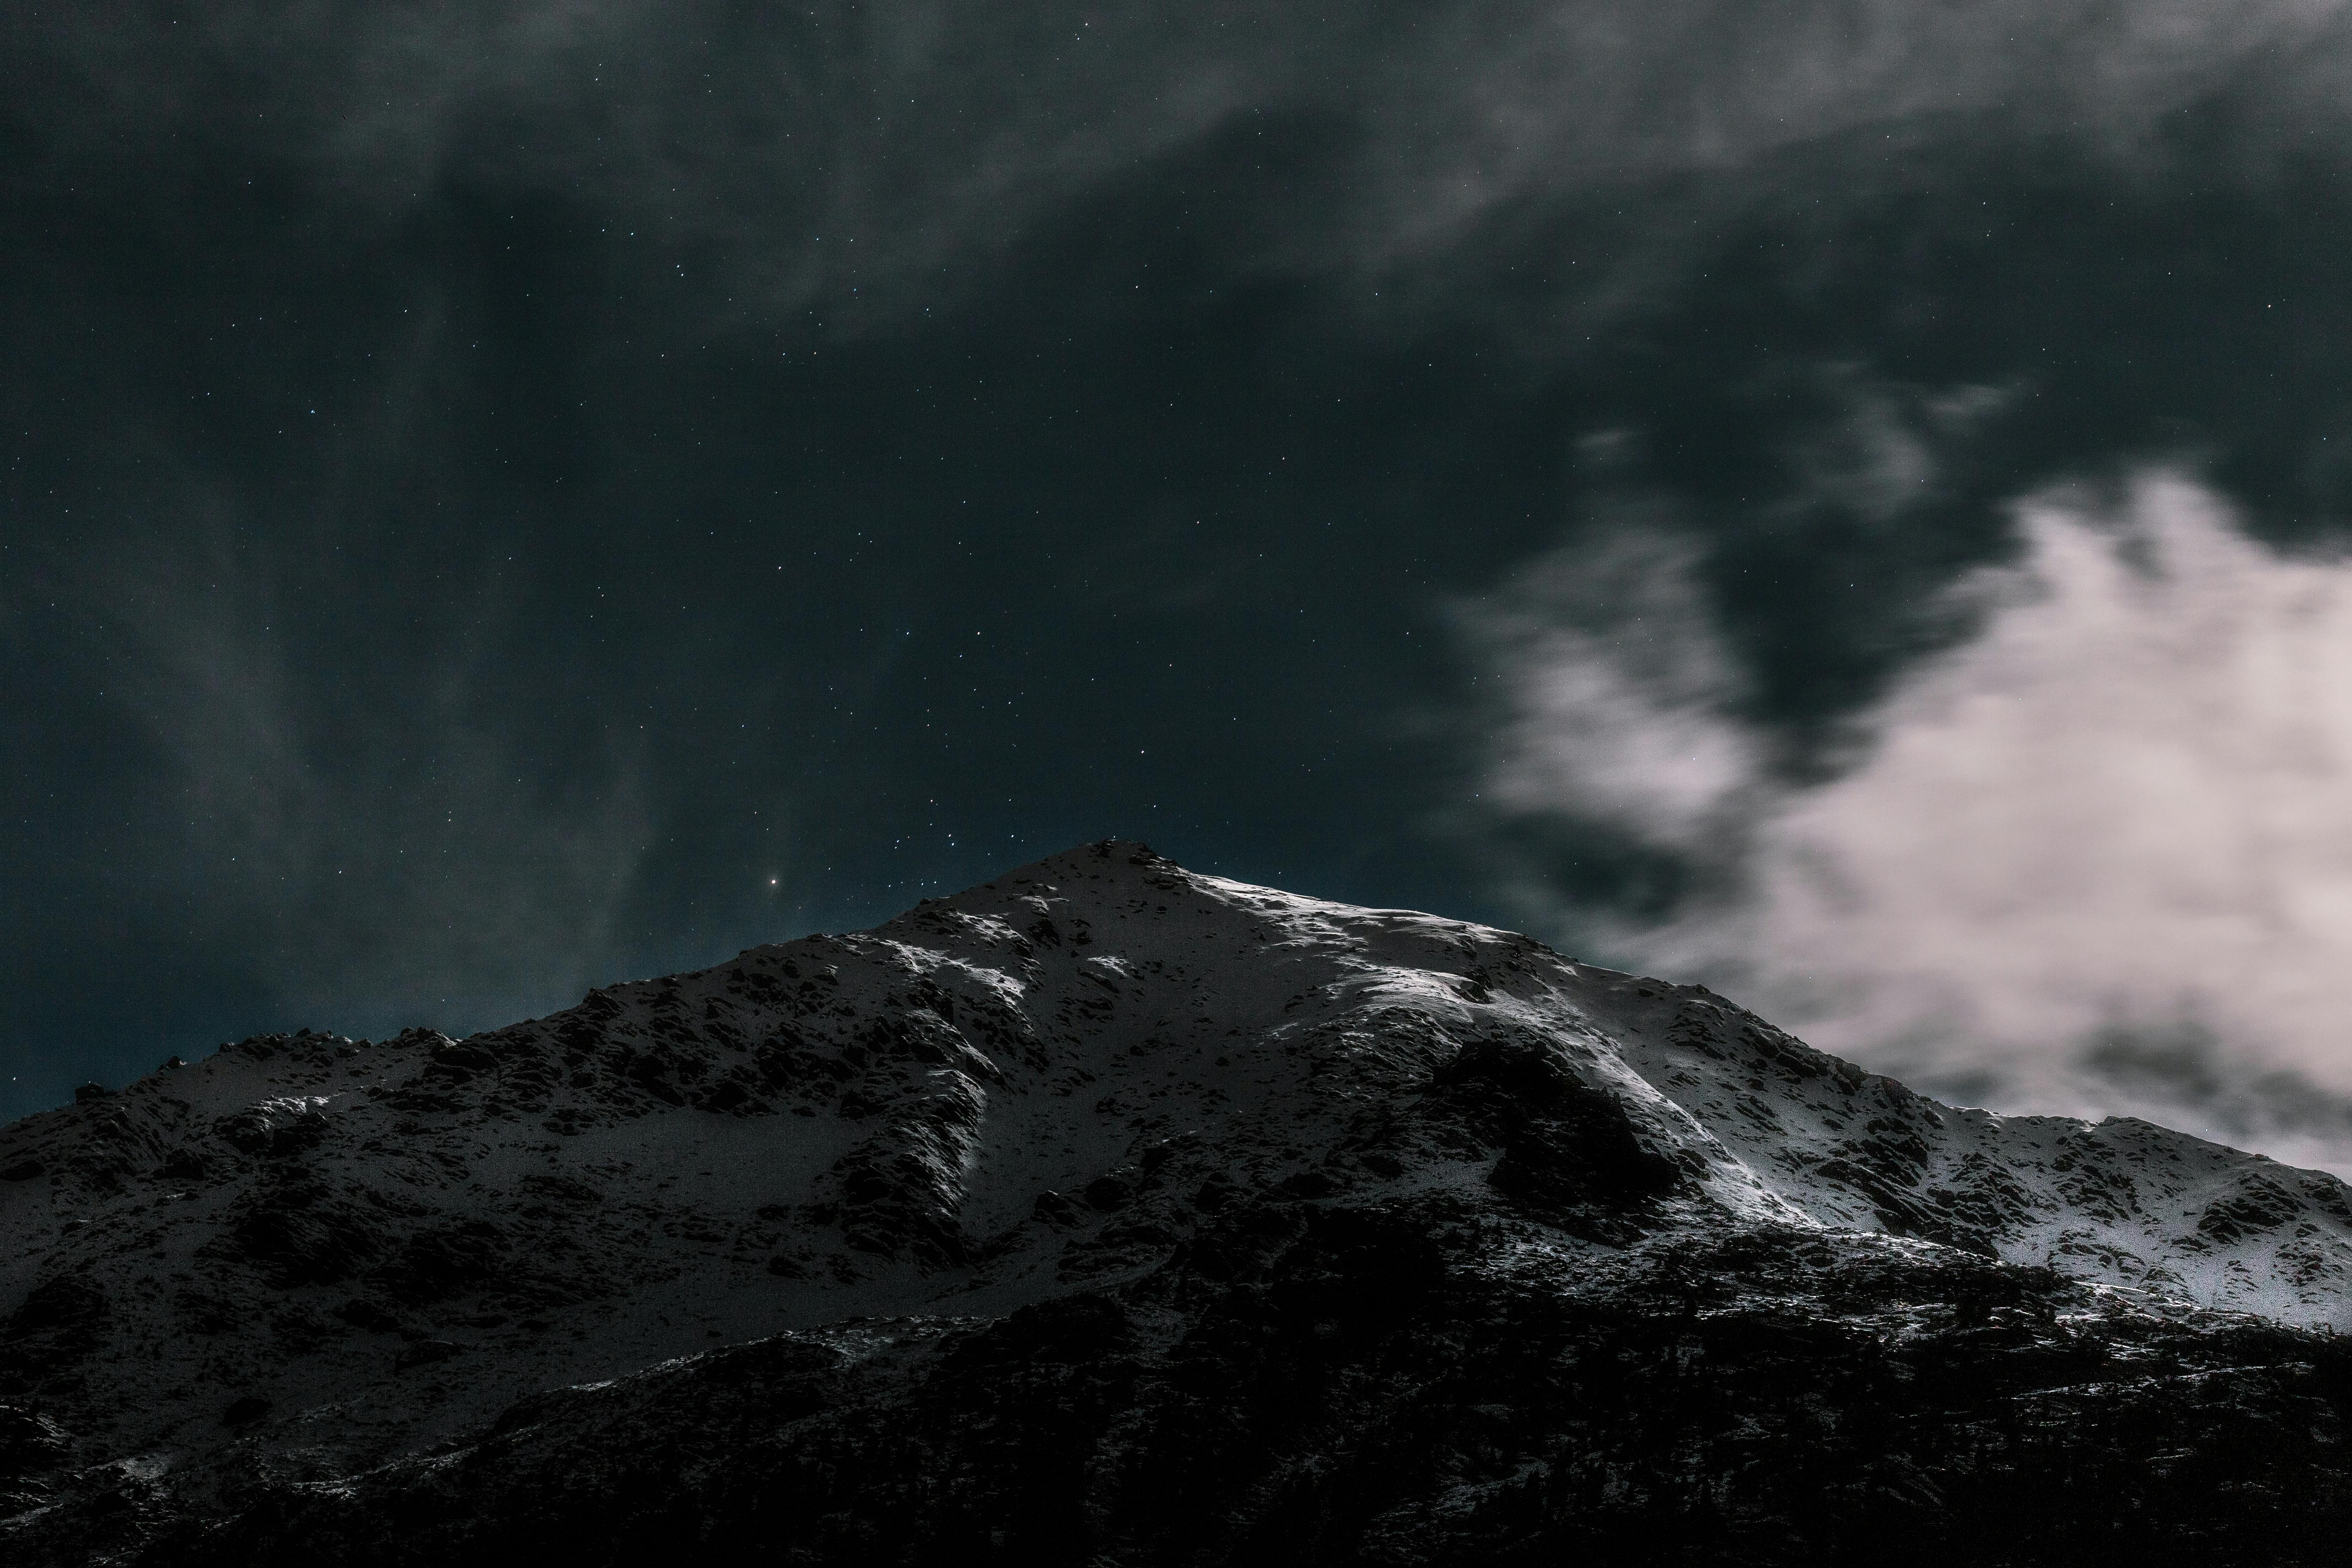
1613	704
2095	860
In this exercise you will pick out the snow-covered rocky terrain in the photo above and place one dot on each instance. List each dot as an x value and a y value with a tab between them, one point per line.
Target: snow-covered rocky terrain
1107	1214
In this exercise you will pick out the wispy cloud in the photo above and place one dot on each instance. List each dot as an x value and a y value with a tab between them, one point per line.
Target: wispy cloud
376	847
872	158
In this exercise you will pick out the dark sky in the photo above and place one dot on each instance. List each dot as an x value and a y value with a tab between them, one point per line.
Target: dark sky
503	498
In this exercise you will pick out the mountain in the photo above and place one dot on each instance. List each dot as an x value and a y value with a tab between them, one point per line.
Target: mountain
1110	1214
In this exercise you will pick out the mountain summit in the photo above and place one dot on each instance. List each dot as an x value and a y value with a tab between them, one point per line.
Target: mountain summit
1110	1214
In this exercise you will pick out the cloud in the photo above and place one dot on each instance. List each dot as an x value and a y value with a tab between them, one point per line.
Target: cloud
1615	708
863	163
874	160
351	797
2095	858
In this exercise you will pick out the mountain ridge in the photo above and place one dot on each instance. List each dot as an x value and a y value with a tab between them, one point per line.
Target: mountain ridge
1084	1110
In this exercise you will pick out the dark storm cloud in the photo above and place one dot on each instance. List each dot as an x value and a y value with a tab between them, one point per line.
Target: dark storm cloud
624	482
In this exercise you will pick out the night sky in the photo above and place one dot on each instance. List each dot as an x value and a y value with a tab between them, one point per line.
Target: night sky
1844	500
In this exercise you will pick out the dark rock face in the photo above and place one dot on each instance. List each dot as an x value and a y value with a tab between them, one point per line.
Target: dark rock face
1568	1152
1111	1216
1335	1385
32	1448
61	1323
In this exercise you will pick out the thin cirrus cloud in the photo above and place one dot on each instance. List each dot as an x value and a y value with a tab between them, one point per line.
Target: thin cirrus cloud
374	845
872	159
2095	860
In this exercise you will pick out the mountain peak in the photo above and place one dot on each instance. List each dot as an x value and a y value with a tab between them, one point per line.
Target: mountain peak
1099	1078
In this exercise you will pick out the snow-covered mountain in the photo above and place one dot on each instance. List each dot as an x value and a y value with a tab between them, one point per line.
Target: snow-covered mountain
308	1267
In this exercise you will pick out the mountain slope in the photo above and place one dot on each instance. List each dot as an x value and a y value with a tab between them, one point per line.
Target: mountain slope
1092	1214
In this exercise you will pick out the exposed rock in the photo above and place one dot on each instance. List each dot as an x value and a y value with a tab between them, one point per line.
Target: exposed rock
32	1448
